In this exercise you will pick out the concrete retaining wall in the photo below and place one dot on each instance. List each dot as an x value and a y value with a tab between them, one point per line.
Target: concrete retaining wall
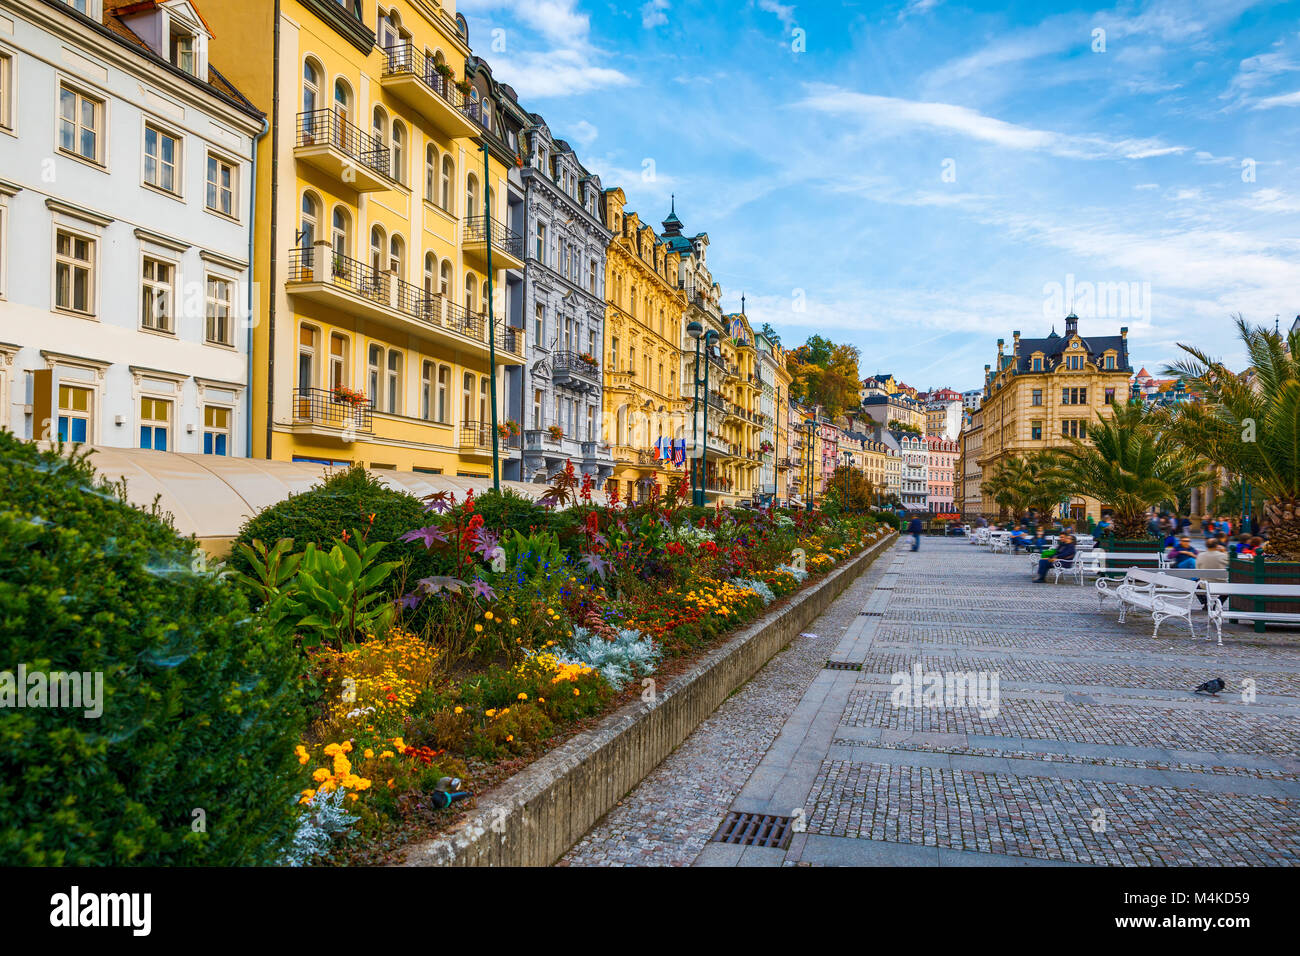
537	815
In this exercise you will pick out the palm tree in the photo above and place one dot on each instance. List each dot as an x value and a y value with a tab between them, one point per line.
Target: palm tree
1008	486
1027	483
1128	464
1250	423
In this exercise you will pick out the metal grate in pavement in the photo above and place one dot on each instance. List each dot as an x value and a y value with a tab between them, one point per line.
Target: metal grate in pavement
754	829
843	666
870	613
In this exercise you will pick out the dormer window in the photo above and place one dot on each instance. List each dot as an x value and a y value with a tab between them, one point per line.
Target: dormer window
181	52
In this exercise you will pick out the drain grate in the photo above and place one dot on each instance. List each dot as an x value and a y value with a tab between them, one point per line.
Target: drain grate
754	829
842	666
870	613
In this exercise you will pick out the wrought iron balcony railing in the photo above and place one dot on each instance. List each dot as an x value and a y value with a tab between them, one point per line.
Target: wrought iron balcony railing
319	406
328	128
483	229
321	264
577	363
404	59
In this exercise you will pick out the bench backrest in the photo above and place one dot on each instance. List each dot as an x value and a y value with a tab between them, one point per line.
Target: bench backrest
1167	582
1254	590
1144	576
1202	574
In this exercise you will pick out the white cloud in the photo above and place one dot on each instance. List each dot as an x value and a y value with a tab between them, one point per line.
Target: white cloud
901	114
583	133
916	8
1283	99
784	12
654	13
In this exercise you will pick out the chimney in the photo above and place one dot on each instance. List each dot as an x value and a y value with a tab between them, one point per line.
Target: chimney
1015	345
1123	332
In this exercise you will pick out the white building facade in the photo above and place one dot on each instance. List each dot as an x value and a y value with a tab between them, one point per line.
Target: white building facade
125	222
916	471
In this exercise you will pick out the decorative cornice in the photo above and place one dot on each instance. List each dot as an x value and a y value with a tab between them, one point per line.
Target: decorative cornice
158	239
78	212
346	25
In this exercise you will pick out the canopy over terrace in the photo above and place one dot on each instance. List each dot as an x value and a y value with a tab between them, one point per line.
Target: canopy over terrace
211	496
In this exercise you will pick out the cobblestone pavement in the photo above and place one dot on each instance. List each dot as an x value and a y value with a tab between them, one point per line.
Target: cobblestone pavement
1095	751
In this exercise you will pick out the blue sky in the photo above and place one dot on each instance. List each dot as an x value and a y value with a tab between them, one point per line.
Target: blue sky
920	178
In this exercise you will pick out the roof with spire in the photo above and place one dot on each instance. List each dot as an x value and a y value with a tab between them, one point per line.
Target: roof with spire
1052	347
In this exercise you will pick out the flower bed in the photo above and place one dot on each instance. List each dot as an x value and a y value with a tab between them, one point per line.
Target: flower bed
529	621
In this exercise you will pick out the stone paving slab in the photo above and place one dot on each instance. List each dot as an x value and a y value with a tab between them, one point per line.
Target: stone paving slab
1098	752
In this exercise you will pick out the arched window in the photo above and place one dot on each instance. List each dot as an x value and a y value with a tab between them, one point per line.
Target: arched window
448	177
487	114
375	361
342	101
491	202
471	196
397	256
485	296
341	233
444	279
467	398
338	374
470	285
399	152
310	222
377	245
444	383
431	173
311	75
430	273
379	126
394	382
308	339
426	391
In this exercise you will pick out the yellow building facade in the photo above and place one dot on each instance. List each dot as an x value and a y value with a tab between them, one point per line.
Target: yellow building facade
643	400
1043	392
371	335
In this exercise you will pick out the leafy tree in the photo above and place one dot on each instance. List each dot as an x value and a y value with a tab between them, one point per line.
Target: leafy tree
1250	423
824	374
850	489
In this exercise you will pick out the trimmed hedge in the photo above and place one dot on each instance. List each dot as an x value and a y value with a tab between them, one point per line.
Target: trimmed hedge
344	502
200	705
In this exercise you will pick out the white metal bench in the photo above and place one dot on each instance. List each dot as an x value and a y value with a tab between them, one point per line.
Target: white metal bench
1083	563
1161	595
1221	597
1000	542
1108	585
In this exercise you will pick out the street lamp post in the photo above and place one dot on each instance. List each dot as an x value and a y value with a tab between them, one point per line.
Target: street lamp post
811	427
696	332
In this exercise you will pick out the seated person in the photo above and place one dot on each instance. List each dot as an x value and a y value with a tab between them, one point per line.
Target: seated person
1183	555
1213	558
1019	539
1064	554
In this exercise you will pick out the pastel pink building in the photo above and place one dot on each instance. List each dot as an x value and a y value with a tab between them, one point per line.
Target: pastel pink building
941	481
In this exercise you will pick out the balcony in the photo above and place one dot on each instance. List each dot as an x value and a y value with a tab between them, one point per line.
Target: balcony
576	370
481	234
337	148
319	411
476	438
319	275
414	79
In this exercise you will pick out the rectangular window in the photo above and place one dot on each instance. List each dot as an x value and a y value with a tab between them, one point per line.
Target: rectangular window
182	52
162	157
1037	396
74	414
6	91
537	409
216	430
220	308
156	298
155	423
1036	431
81	122
539	324
540	247
1110	395
592	284
74	273
223	183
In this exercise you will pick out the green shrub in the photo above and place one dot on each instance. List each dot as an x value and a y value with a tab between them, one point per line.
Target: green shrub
509	510
342	503
200	706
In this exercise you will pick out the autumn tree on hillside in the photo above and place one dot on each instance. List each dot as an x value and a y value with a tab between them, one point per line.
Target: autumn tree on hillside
824	374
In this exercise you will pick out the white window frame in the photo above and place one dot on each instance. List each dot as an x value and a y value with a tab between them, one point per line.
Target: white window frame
208	303
8	84
235	184
100	160
178	162
166	288
92	284
229	430
92	405
171	422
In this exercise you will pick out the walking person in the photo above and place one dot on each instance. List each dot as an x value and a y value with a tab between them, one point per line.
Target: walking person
914	529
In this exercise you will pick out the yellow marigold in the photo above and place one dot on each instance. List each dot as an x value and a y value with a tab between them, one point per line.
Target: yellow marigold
576	692
514	622
306	796
522	696
347	747
301	751
460	710
490	713
321	775
369	753
332	749
509	737
478	628
488	615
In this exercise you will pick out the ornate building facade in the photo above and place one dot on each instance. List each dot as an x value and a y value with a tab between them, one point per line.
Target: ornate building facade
565	312
1043	392
644	403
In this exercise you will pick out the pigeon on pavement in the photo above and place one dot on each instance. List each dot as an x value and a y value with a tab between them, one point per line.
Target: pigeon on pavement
1211	687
